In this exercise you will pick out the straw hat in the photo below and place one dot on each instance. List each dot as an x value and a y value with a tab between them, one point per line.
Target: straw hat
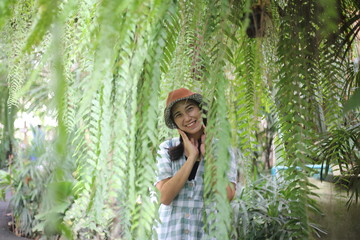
176	96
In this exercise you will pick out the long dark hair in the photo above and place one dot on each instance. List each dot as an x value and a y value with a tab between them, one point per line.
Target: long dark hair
176	152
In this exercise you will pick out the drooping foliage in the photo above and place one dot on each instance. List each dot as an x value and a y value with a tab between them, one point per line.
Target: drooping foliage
104	68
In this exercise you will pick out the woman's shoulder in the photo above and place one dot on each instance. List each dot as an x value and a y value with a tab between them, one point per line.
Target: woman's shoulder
170	143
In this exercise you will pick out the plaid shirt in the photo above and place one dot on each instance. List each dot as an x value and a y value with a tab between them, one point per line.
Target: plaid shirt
182	219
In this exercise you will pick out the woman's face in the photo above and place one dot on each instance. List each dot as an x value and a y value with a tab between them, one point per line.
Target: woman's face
187	116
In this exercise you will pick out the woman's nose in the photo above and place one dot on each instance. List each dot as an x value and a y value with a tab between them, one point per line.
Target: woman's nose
186	116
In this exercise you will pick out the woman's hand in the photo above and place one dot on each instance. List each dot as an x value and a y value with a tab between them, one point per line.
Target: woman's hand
202	142
190	145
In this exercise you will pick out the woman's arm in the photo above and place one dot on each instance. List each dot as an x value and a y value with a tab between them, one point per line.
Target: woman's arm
169	188
230	190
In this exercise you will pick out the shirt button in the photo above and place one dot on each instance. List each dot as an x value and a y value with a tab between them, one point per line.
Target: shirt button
186	231
187	215
191	184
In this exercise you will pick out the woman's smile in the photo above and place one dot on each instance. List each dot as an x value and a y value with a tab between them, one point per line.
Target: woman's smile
187	116
191	124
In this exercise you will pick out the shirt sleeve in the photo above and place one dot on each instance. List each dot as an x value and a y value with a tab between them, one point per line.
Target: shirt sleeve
232	174
163	163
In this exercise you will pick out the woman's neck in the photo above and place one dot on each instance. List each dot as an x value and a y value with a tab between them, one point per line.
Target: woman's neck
197	135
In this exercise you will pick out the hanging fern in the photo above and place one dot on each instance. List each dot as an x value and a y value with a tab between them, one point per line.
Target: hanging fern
296	102
217	209
107	66
16	30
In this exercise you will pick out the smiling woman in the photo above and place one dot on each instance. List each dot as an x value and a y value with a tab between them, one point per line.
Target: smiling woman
186	115
181	169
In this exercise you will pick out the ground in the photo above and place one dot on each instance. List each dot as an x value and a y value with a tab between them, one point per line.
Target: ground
339	222
5	233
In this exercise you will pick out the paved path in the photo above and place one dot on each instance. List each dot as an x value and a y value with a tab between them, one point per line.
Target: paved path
5	233
339	222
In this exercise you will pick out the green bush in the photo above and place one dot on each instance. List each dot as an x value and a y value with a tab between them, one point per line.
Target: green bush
29	183
263	211
39	200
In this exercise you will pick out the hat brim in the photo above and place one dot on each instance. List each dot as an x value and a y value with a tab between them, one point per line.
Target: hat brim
167	112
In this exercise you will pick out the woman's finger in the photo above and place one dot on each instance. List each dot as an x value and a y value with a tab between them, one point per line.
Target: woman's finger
203	138
190	145
194	142
204	127
183	135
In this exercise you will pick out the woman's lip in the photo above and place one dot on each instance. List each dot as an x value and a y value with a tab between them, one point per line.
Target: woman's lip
191	124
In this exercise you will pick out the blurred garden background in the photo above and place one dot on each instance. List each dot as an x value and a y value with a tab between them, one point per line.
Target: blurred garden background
83	85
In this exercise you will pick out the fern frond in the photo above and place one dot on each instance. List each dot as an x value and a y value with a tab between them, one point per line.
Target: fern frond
217	213
47	13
